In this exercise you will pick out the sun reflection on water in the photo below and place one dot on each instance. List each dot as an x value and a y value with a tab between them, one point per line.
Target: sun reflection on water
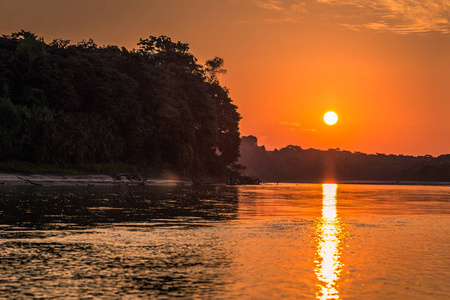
329	238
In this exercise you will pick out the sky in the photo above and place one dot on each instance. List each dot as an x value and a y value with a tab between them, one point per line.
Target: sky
382	65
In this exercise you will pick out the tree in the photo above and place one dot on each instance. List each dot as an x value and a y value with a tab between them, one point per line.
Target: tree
155	107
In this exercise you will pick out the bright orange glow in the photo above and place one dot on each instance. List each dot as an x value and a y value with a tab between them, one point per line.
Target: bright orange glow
329	236
330	118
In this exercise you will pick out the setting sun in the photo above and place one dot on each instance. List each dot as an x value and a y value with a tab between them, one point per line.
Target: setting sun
330	118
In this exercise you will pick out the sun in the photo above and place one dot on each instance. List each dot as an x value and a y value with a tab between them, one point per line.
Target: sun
330	118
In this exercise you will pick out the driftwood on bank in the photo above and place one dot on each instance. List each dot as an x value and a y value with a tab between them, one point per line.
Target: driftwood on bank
29	181
133	178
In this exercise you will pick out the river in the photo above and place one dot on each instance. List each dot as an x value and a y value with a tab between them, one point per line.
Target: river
290	241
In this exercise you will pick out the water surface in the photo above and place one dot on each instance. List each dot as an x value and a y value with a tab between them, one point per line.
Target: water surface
254	242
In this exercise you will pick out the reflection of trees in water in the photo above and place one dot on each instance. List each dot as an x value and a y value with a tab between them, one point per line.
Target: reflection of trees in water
191	266
53	207
115	261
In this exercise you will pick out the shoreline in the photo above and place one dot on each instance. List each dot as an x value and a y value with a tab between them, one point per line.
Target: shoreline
370	182
393	182
18	179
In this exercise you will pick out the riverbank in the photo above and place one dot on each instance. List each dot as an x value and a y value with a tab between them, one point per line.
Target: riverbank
395	182
370	182
87	180
125	179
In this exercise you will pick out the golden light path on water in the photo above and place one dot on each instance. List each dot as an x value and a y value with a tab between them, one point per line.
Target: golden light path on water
329	239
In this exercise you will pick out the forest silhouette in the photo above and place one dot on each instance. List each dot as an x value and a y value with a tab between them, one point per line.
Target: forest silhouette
155	106
295	164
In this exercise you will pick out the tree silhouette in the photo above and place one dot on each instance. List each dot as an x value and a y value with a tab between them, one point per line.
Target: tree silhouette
80	103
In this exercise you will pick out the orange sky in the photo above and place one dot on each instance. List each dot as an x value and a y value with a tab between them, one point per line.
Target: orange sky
382	65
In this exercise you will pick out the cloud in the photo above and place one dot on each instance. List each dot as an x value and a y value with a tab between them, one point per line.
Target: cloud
299	7
408	16
281	20
286	6
297	126
290	124
268	4
400	16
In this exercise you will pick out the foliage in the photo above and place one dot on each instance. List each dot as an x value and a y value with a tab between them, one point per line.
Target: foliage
294	164
77	104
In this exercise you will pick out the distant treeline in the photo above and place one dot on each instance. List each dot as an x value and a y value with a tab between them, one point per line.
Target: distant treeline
153	106
294	164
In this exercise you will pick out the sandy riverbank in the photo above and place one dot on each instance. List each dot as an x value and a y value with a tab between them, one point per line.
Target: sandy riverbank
85	180
127	179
